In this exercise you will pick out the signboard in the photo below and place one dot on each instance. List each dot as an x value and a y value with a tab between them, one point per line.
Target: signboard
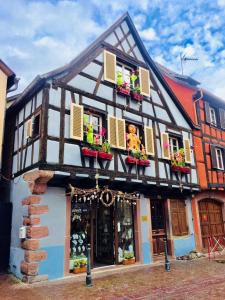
144	218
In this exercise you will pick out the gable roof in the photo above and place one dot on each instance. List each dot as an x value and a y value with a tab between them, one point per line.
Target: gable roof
98	43
9	73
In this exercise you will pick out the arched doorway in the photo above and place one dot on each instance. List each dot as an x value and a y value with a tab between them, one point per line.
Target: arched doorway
211	219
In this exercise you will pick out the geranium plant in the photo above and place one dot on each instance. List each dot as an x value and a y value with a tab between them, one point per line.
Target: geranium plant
178	162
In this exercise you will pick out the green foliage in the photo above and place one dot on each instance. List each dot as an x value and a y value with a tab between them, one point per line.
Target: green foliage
119	78
106	147
128	255
178	158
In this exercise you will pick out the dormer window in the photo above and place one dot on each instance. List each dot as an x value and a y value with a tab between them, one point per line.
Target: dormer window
124	72
212	116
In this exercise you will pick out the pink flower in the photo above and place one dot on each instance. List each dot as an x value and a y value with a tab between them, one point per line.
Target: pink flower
166	145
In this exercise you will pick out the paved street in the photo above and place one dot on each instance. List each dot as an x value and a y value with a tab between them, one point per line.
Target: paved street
199	279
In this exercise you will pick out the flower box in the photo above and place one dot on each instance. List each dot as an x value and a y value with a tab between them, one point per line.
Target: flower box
123	91
136	96
104	155
80	270
129	261
144	162
184	170
89	152
131	160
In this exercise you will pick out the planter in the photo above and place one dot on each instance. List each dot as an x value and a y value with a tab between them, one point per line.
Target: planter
89	152
143	162
131	160
123	91
129	261
184	170
136	96
104	155
80	270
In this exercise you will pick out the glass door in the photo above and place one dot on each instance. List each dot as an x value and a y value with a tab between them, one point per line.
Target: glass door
104	235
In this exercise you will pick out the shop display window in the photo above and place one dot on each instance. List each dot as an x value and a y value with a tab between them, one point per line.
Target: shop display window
125	227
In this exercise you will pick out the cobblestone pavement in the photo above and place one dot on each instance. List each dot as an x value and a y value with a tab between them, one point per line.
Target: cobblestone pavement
198	279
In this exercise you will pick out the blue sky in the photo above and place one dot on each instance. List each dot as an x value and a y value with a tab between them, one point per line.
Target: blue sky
38	36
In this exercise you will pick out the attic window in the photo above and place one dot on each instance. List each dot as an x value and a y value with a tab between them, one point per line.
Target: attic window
36	125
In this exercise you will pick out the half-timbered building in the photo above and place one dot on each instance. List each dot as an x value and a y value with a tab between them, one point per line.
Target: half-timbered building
100	153
208	112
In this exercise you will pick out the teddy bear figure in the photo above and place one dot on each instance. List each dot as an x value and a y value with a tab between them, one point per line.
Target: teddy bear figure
133	141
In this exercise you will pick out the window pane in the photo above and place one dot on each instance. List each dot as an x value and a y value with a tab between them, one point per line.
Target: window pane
125	230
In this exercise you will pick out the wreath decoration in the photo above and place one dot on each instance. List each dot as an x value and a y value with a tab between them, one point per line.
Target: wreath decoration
105	198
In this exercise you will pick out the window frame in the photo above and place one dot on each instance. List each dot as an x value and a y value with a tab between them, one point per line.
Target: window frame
99	116
172	138
213	117
124	67
217	149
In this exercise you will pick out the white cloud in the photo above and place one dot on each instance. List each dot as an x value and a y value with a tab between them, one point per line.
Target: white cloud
149	34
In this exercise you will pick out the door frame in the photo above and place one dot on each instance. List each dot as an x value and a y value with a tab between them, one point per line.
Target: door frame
136	228
217	196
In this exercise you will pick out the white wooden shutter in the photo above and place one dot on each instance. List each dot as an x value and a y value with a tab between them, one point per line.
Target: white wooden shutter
149	141
187	151
76	121
121	134
165	144
112	131
144	79
109	66
29	128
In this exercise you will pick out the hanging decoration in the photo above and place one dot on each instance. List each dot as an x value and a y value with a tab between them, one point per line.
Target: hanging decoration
105	195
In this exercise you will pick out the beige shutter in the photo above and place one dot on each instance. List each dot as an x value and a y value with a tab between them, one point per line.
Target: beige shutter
187	151
76	121
112	131
121	134
149	141
165	144
29	128
144	81
109	66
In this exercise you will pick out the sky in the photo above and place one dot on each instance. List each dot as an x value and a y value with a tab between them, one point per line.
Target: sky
39	36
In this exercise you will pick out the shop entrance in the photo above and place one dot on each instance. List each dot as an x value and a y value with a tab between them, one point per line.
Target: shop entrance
103	235
109	229
211	220
158	225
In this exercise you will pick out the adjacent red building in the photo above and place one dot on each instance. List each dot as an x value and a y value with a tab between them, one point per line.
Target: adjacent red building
207	112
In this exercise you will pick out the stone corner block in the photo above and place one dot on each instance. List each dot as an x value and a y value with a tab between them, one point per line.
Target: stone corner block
29	268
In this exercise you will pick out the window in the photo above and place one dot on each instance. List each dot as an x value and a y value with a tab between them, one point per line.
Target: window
219	158
125	71
92	128
174	145
36	125
178	217
212	116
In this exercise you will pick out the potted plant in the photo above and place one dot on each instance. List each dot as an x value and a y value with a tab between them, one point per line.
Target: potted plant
133	157
122	87
80	265
129	258
178	162
136	93
143	161
105	151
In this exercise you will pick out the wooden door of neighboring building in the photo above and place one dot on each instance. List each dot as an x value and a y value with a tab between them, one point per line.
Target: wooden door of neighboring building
211	220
